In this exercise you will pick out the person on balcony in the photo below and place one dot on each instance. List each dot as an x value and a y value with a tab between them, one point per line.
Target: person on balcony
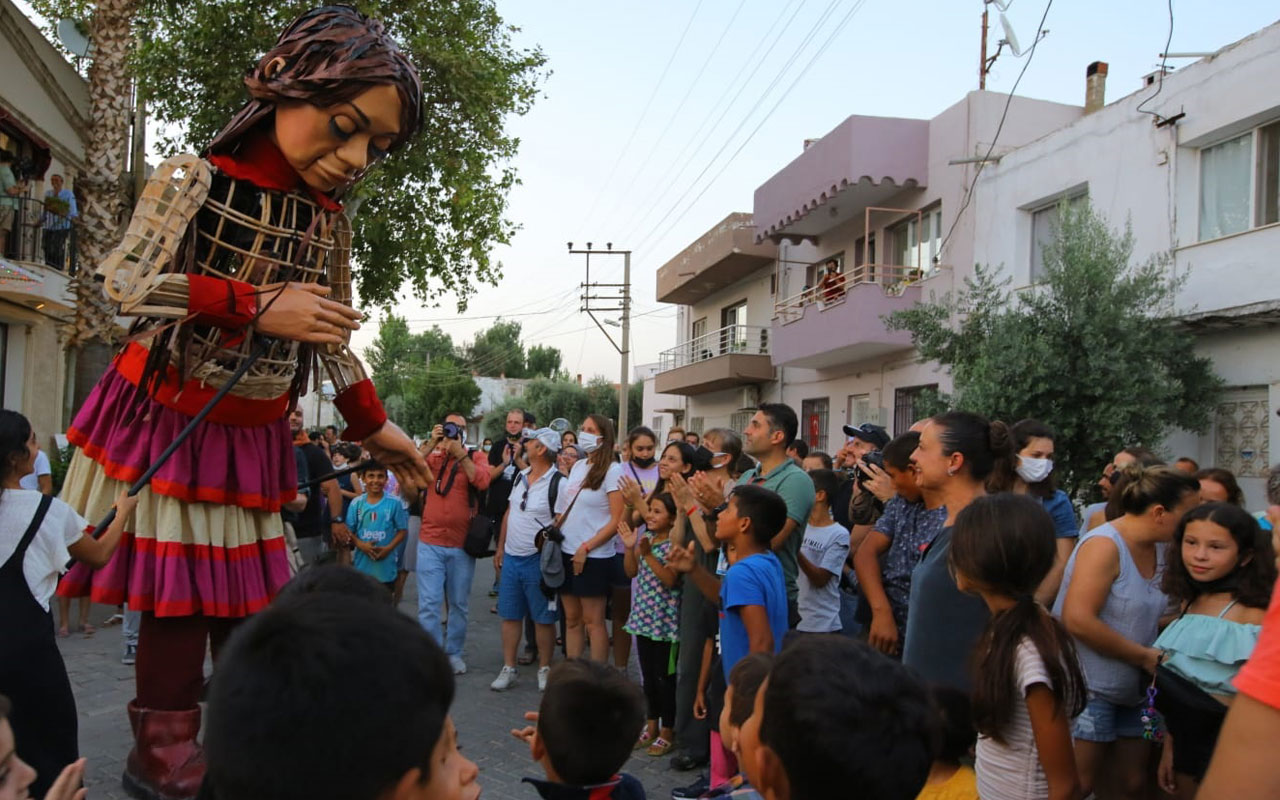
10	190
59	210
832	283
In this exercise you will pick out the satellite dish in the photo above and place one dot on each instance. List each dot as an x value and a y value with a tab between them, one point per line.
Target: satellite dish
73	37
1003	5
1009	37
559	425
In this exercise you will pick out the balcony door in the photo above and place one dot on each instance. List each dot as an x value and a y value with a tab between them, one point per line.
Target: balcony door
699	347
733	331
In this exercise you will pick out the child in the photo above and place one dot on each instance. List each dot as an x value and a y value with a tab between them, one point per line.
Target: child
1027	682
1111	603
379	523
745	680
752	596
837	719
655	617
1221	573
302	683
583	733
822	555
949	778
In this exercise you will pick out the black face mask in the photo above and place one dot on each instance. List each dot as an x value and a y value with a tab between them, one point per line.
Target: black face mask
643	463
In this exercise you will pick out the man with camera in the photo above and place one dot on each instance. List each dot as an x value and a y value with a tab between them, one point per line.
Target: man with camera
444	569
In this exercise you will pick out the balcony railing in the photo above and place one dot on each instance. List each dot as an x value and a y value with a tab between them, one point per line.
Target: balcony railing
891	278
35	235
729	340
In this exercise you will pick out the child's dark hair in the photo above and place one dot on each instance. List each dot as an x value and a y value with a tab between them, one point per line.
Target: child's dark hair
373	465
745	678
1005	542
588	720
825	480
283	695
801	447
333	579
897	453
764	507
840	715
956	734
1255	565
15	431
1226	479
986	446
822	457
668	502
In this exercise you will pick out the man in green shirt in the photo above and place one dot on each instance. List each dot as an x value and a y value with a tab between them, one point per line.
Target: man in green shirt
768	434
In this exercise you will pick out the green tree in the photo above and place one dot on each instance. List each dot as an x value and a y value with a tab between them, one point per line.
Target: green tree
542	361
434	391
418	376
497	350
635	407
1092	350
430	216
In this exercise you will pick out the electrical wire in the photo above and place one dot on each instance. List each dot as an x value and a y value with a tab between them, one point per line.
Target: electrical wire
1164	59
604	185
968	195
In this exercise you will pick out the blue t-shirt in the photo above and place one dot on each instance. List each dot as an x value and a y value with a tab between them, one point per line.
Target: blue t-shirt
1064	515
377	524
754	581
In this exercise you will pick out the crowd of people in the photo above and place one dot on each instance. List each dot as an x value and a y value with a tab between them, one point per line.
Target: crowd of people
915	616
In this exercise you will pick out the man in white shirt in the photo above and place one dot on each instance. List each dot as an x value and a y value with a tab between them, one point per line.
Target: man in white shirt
40	479
520	595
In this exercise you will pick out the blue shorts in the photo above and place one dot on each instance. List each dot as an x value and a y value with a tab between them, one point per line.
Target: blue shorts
520	590
1104	721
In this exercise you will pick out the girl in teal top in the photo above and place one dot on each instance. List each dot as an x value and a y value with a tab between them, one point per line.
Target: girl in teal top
1220	572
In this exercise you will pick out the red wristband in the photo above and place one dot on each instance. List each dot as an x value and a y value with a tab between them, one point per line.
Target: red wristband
221	302
360	407
693	510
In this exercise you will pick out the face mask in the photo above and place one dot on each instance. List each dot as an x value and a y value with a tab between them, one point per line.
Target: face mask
1034	470
588	441
643	463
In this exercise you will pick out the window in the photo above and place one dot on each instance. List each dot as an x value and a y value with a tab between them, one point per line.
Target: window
695	425
733	334
859	410
699	347
1240	183
738	420
906	406
1044	226
814	415
1241	431
917	240
657	423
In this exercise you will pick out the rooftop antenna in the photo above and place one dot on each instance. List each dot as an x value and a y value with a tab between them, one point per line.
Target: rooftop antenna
1010	39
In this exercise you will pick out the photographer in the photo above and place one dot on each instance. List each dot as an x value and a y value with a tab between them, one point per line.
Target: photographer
444	569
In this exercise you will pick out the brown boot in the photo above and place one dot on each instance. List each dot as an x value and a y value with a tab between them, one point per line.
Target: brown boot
165	763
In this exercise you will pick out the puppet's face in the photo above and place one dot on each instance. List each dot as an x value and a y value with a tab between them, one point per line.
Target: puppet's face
330	145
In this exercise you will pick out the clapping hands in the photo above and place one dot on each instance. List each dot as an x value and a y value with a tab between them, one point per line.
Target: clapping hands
628	534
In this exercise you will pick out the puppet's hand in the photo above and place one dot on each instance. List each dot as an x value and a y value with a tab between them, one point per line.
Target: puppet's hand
398	453
302	312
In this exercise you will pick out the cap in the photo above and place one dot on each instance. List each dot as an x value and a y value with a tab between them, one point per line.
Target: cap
549	438
867	432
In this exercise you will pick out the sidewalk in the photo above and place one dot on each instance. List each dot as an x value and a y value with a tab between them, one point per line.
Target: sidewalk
484	718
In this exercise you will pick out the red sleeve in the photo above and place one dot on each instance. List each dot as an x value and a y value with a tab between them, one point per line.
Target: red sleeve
360	407
1260	676
221	302
481	480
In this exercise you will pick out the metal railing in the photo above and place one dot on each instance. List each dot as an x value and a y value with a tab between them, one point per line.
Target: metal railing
834	292
33	234
729	340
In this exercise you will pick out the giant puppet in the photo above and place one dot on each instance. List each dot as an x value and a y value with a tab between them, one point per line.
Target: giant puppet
239	255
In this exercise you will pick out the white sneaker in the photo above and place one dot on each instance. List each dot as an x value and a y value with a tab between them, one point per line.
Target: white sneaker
459	666
505	680
543	672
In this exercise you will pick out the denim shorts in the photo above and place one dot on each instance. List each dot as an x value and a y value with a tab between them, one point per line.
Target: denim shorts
1104	721
520	590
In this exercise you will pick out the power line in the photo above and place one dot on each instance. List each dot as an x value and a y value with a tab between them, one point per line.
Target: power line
1164	60
968	195
639	122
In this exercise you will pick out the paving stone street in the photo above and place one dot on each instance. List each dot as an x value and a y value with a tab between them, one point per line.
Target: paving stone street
484	718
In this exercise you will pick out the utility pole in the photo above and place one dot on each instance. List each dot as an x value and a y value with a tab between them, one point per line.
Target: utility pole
609	298
982	61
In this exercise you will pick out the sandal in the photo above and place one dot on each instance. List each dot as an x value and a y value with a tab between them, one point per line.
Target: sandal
660	747
88	630
643	741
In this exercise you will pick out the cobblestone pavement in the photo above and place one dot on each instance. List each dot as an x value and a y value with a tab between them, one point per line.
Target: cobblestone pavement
484	718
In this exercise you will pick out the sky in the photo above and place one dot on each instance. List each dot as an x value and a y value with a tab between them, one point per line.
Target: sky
658	119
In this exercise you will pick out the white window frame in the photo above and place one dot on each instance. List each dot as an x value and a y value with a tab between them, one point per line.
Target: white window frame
1037	248
1255	209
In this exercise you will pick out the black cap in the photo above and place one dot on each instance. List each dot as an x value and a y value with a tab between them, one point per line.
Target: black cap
867	432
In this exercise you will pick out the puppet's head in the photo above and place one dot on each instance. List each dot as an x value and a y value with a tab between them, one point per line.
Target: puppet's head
335	94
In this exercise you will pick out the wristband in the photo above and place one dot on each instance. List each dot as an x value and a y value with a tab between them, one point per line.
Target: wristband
692	510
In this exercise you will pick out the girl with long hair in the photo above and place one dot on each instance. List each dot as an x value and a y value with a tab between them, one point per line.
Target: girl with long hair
1027	682
1111	602
1221	573
38	534
594	508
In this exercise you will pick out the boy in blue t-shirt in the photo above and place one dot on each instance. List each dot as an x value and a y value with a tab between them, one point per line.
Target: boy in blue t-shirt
753	595
379	522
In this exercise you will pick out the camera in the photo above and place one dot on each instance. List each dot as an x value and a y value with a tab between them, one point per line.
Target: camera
451	430
874	457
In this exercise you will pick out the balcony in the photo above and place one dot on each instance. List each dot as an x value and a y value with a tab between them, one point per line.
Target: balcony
1230	282
863	162
722	256
35	268
736	355
840	323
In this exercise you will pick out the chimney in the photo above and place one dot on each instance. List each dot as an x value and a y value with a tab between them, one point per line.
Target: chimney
1095	86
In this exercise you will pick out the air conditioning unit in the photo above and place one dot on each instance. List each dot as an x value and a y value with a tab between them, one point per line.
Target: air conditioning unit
749	397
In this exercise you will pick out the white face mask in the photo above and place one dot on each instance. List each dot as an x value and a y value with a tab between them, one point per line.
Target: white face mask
588	441
1034	470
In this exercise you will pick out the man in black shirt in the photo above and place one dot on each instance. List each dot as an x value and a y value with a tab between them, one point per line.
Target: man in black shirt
309	526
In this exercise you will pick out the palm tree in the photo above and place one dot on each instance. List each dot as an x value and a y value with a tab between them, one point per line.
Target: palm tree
110	105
